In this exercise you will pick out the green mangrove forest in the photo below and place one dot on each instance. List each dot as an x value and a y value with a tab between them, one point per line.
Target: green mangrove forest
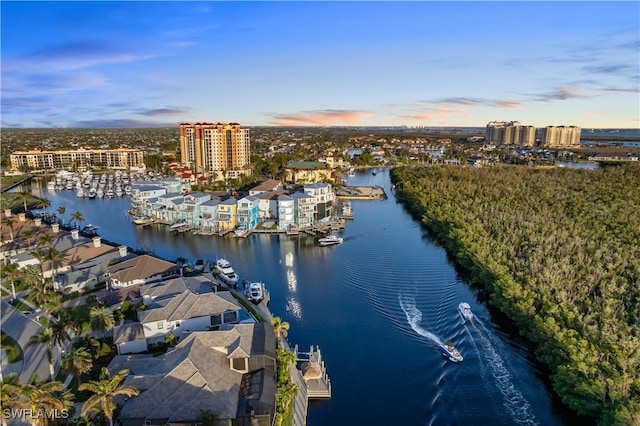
558	251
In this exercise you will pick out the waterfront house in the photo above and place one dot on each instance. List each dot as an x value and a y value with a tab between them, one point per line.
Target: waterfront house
142	191
230	372
186	312
248	213
140	270
81	268
286	212
305	209
268	204
209	214
324	198
301	172
268	185
228	214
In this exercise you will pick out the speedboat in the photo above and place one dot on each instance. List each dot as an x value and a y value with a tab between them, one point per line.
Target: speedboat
450	352
465	311
227	274
255	292
90	230
199	265
330	240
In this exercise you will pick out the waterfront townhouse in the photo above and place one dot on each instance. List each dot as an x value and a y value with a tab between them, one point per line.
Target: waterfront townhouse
165	208
20	233
140	270
209	215
268	185
268	204
305	209
248	212
230	372
324	198
228	214
141	192
286	212
189	207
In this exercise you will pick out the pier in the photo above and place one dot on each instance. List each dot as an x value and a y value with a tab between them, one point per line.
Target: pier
361	193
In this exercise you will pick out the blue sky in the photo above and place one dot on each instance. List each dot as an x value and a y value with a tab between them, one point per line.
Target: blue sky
143	64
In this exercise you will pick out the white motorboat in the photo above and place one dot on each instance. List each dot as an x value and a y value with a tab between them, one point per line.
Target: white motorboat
227	274
199	265
92	193
330	240
465	311
80	193
255	292
450	352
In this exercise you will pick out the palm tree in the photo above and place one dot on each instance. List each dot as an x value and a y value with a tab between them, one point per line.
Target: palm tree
44	204
10	394
77	218
61	211
10	272
45	337
60	330
45	240
89	343
52	255
280	328
46	396
77	361
9	221
101	319
104	391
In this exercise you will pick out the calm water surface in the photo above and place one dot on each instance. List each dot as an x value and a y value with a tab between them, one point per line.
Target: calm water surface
376	305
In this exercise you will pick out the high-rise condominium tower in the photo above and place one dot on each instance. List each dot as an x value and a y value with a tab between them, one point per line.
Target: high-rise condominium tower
560	136
220	149
510	133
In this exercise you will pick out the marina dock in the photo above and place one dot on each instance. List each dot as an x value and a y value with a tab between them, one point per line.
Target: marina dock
361	193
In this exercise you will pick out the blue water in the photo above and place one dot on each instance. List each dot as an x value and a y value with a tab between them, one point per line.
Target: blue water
377	306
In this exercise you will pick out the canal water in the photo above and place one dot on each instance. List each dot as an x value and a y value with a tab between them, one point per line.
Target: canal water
377	305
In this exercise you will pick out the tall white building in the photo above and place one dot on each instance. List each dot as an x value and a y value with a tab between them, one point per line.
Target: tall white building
560	136
510	133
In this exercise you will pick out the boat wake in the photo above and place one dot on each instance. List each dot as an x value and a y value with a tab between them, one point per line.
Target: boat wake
414	317
514	402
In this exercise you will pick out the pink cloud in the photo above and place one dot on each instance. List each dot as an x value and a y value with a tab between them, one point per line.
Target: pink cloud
319	118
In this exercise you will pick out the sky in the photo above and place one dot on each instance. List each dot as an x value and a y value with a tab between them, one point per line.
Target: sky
328	63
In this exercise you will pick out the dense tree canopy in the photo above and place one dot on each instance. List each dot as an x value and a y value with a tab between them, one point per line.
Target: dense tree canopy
559	252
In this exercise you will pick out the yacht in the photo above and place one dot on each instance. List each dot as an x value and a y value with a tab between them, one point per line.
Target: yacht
330	240
465	311
450	352
92	193
100	193
80	193
227	274
255	292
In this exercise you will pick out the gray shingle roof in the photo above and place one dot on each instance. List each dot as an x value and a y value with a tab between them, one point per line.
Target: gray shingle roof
194	376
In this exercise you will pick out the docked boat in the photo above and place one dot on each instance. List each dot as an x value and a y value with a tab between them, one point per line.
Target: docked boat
80	193
450	352
465	311
92	193
199	265
142	220
90	230
227	274
330	240
255	292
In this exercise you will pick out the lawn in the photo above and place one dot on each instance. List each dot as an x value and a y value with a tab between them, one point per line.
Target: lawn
20	306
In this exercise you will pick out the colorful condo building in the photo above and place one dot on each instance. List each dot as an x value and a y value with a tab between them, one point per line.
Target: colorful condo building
78	159
218	150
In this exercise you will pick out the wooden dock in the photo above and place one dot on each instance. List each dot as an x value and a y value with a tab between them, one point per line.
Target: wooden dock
316	388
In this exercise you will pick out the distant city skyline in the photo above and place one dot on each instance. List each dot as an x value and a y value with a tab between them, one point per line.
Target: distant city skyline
431	64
